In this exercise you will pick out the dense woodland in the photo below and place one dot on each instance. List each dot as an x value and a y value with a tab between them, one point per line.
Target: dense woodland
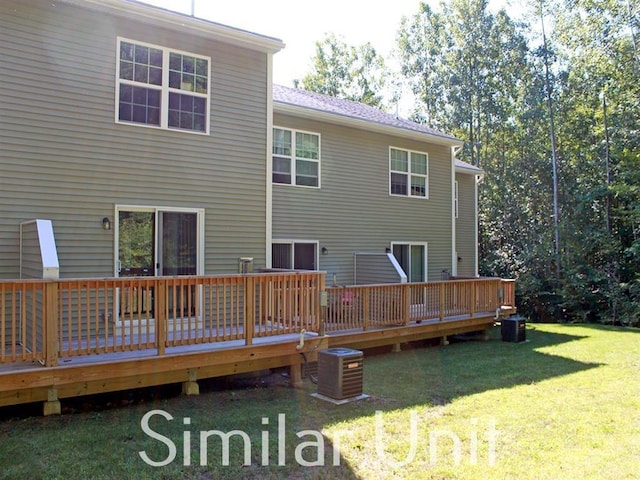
549	107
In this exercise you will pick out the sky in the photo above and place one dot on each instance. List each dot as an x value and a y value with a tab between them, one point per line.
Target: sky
299	24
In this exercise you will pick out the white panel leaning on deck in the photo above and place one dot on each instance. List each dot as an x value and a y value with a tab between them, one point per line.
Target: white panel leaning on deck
46	244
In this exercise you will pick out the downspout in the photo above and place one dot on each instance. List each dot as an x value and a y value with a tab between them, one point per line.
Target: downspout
269	169
479	178
454	253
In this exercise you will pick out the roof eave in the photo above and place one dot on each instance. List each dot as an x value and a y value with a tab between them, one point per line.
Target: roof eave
354	122
470	170
170	19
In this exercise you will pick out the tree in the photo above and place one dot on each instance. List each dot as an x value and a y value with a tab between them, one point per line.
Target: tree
348	72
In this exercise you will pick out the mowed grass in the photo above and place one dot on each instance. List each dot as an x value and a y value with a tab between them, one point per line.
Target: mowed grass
563	405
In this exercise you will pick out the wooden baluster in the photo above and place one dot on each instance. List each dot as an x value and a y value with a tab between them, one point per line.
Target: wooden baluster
160	310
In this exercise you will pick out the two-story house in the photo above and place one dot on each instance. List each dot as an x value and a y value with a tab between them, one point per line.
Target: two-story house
349	178
141	143
155	122
157	144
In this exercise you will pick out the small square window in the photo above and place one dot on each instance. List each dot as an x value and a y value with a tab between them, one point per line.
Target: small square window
301	168
408	173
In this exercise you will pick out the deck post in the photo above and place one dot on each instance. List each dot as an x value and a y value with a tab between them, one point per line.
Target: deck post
191	387
406	303
366	311
442	299
324	302
52	405
249	309
160	312
50	320
295	375
474	288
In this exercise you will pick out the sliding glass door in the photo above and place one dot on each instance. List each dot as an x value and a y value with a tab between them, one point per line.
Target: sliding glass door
159	242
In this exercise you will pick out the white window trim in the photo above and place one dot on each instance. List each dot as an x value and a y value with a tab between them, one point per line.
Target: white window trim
293	158
155	209
409	174
120	323
425	260
164	88
292	242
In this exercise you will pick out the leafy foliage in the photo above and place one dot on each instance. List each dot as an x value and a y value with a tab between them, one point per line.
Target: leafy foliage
352	73
481	76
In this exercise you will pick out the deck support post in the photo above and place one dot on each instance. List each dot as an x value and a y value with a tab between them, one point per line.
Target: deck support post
396	348
52	405
51	346
444	341
484	336
295	375
191	386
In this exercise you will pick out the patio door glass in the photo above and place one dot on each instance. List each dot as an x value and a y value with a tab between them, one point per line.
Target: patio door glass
159	242
136	246
412	257
178	243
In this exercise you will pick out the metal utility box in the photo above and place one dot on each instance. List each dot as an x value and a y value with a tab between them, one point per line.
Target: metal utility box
514	329
245	265
340	373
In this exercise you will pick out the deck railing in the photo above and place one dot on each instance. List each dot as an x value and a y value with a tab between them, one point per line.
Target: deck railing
49	320
46	320
366	306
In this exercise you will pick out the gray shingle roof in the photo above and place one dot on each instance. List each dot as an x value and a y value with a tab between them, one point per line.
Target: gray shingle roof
464	167
351	110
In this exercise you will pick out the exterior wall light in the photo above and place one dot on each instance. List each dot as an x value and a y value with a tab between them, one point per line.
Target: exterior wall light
325	251
106	223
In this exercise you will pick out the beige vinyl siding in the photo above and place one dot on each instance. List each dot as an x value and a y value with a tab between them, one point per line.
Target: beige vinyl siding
466	226
64	158
353	211
375	269
31	257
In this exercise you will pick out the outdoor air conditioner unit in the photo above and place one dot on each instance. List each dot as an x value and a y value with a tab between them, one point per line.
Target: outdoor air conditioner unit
513	329
340	373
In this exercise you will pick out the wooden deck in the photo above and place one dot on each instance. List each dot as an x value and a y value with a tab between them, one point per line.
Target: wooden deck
67	338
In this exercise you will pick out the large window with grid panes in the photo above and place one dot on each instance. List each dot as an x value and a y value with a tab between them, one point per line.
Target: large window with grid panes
161	87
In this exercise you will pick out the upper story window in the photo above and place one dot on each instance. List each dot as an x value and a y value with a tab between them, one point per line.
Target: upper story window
296	157
162	88
408	173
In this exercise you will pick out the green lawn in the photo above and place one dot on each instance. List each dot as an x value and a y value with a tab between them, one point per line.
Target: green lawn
563	405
